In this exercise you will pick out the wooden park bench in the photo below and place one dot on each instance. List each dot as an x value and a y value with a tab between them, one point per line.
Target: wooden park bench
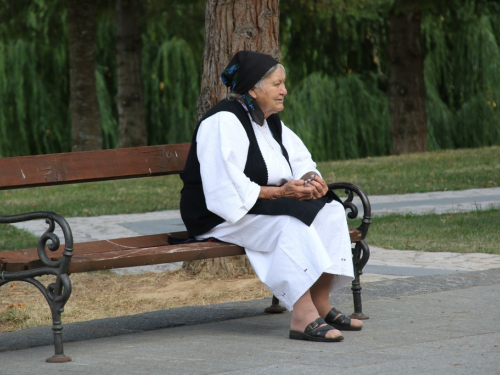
51	257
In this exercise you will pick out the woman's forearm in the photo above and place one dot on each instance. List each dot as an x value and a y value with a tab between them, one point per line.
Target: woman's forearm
270	192
294	189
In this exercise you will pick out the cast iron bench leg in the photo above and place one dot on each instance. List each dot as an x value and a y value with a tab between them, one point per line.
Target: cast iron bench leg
57	307
275	307
361	254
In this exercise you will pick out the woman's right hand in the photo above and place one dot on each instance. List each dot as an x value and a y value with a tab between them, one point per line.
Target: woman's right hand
295	189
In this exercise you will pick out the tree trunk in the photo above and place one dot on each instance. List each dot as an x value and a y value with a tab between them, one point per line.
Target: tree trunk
85	115
406	81
130	96
232	26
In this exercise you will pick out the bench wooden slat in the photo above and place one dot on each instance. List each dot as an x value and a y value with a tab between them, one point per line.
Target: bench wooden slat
65	168
19	260
127	252
119	253
152	255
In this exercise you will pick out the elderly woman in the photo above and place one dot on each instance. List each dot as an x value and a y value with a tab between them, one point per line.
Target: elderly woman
249	180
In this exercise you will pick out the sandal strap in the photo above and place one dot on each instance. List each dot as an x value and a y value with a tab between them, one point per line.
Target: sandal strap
340	320
315	328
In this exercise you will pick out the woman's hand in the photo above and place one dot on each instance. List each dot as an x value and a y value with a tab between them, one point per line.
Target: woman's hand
296	189
318	184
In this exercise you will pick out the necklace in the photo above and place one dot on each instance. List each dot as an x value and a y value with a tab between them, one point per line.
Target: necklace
265	136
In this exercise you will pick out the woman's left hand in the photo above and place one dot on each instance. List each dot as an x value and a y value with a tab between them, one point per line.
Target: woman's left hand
319	187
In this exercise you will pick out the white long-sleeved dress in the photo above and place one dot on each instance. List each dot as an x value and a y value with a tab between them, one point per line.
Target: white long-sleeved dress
287	255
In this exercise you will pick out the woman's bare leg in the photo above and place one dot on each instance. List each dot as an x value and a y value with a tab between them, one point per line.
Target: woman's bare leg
304	312
320	295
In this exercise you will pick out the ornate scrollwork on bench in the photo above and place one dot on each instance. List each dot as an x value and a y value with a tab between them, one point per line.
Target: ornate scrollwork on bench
56	293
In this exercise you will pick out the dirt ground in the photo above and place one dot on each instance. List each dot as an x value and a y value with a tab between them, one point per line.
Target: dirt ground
103	294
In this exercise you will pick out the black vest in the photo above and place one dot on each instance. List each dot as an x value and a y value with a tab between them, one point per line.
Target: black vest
198	219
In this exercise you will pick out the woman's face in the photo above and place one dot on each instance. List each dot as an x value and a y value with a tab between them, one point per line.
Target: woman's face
272	94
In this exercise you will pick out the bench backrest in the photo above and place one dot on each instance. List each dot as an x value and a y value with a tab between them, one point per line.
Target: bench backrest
86	166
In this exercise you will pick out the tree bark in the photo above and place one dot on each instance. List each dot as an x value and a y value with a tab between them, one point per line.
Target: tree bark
130	95
85	115
232	26
406	81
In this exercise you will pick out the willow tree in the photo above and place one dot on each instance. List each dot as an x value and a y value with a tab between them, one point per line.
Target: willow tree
85	115
407	103
232	26
130	95
335	55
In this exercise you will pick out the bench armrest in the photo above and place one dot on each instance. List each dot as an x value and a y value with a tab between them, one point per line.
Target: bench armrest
56	293
54	267
351	190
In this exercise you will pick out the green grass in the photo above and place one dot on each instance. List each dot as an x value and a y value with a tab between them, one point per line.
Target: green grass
431	171
415	173
97	198
12	238
468	232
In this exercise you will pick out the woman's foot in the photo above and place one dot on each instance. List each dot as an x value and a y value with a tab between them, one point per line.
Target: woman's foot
300	324
304	314
339	321
316	331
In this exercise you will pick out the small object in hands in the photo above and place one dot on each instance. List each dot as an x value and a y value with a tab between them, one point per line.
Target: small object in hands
308	181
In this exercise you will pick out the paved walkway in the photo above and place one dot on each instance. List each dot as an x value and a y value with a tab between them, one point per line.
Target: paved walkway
430	313
433	325
437	202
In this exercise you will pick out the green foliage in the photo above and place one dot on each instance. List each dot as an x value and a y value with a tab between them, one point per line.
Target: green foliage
172	41
341	39
106	79
462	75
334	52
339	117
332	36
34	76
172	89
34	104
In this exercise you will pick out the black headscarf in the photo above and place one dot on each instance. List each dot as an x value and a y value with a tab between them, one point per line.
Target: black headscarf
245	69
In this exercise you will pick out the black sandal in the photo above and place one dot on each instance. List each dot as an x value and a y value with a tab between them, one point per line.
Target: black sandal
342	323
314	332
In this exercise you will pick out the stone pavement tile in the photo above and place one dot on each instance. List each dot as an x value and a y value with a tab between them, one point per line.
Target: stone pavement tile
443	260
493	193
100	227
435	202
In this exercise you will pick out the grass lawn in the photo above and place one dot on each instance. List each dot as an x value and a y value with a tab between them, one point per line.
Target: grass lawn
467	232
417	173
